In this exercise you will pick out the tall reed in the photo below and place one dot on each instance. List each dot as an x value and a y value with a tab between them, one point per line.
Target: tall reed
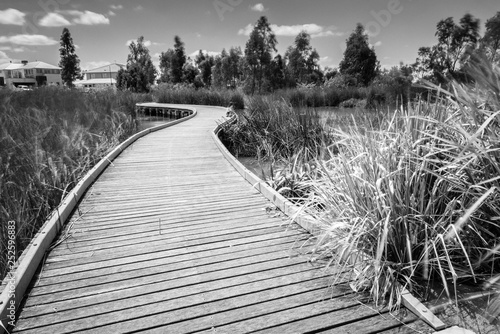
415	198
49	138
168	93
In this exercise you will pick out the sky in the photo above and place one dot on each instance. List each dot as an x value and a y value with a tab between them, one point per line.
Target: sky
101	29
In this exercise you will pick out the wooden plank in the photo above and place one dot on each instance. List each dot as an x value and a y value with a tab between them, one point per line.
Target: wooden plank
147	308
206	264
172	278
258	278
156	258
85	265
91	256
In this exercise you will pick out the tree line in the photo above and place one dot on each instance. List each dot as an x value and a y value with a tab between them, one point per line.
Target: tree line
257	69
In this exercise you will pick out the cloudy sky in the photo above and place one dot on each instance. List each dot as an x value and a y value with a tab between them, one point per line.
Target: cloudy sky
101	29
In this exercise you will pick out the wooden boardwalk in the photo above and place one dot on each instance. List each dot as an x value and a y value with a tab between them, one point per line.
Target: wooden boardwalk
171	239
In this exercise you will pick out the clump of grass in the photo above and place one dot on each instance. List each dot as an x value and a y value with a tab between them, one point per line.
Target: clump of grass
415	198
49	138
273	129
167	93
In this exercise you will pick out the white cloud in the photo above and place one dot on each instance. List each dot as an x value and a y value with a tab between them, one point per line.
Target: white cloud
193	54
116	7
28	40
293	30
379	43
111	13
138	8
89	18
12	16
258	8
246	31
3	55
54	20
147	43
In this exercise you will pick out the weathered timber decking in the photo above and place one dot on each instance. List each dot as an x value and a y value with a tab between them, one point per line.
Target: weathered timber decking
171	239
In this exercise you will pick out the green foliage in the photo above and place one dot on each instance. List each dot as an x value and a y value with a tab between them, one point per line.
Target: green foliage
360	61
69	63
49	138
140	72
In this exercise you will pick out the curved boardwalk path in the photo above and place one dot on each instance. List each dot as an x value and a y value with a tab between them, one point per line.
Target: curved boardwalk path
171	239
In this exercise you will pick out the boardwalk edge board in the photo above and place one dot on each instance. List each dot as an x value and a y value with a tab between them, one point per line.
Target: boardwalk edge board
307	221
34	253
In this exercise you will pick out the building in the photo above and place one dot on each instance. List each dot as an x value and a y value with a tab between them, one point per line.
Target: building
100	77
31	74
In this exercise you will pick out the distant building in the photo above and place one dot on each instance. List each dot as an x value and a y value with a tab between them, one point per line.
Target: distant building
100	77
31	74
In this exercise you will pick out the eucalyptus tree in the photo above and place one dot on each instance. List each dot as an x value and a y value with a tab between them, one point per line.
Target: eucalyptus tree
140	73
258	52
302	60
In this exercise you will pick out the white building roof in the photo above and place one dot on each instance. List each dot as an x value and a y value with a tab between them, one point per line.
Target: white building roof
10	66
114	67
30	65
40	64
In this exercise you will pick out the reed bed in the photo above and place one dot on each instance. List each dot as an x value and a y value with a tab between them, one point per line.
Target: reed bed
168	93
416	199
49	138
411	196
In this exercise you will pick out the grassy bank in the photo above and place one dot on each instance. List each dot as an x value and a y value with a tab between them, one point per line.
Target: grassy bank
416	189
50	137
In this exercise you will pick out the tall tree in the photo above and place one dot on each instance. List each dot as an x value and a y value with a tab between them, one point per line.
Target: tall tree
456	45
492	37
166	66
178	60
140	72
69	63
302	59
258	52
277	72
360	61
205	63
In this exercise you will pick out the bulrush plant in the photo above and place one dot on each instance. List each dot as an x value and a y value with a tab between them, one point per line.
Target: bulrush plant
49	138
416	198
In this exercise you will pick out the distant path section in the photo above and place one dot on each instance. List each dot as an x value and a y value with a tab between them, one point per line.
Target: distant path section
171	239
